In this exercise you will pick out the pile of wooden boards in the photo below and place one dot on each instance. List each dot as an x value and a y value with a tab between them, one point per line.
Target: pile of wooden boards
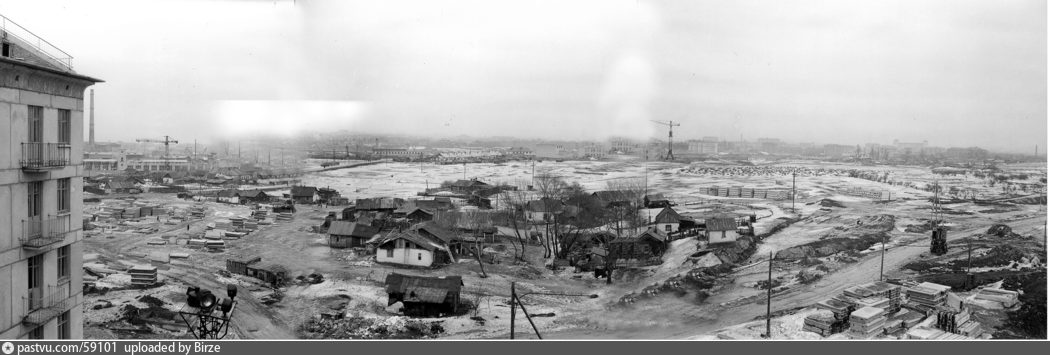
821	322
1005	297
934	334
284	216
143	275
867	322
927	296
957	322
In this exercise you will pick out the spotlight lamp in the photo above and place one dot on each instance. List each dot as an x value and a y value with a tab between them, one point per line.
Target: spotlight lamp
199	312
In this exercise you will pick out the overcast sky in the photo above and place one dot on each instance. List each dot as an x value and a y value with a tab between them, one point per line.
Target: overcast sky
953	72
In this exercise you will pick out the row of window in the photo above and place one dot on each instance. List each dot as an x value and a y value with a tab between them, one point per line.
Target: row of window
36	190
36	125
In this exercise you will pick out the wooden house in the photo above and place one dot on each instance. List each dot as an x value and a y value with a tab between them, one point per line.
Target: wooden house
642	249
720	230
346	234
424	296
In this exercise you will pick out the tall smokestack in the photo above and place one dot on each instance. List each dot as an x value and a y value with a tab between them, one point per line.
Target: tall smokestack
91	125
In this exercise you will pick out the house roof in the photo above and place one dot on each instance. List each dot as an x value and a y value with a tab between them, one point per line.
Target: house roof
423	289
544	205
612	195
229	193
667	215
303	191
650	234
352	229
253	193
433	229
721	224
419	211
469	183
413	236
378	203
655	197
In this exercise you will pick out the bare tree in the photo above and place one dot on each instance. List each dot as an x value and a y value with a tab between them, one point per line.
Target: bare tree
516	204
474	220
628	194
552	190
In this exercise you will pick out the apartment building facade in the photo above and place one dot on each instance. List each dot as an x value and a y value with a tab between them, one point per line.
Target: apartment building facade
41	169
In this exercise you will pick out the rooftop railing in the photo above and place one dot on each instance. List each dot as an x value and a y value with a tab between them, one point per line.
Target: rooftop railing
10	28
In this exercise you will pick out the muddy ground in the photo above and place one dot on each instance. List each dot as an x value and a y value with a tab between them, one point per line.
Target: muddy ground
677	299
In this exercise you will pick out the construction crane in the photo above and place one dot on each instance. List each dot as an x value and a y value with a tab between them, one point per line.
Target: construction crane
167	141
670	136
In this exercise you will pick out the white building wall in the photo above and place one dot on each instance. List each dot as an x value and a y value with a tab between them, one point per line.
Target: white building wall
406	256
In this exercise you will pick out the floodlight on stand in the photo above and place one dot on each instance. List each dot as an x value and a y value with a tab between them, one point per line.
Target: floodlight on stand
226	305
231	290
193	296
207	300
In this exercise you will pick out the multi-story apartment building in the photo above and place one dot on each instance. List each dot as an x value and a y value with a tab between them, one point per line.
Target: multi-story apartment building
41	153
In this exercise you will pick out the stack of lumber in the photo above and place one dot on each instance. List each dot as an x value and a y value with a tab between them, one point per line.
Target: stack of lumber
143	275
237	222
874	301
921	333
216	245
958	322
908	318
260	214
197	213
213	234
251	226
927	298
839	308
284	216
890	291
1005	297
821	322
867	322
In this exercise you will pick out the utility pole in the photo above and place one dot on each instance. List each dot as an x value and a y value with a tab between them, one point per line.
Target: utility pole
769	297
793	191
882	262
513	297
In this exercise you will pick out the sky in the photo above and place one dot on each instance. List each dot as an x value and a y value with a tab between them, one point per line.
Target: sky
951	72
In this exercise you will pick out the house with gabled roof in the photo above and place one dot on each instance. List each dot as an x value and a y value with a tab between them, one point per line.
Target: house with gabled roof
424	296
721	230
413	248
346	234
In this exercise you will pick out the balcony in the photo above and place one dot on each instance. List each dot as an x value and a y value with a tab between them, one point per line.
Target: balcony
39	233
38	156
44	304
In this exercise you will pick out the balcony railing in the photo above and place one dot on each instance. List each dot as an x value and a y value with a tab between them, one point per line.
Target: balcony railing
44	304
38	233
43	156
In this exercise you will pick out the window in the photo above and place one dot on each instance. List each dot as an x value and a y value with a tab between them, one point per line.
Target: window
667	228
63	195
419	256
63	262
36	279
64	128
390	253
63	326
37	333
36	188
36	124
6	50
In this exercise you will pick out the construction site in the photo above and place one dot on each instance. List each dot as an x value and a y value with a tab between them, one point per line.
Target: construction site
908	262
